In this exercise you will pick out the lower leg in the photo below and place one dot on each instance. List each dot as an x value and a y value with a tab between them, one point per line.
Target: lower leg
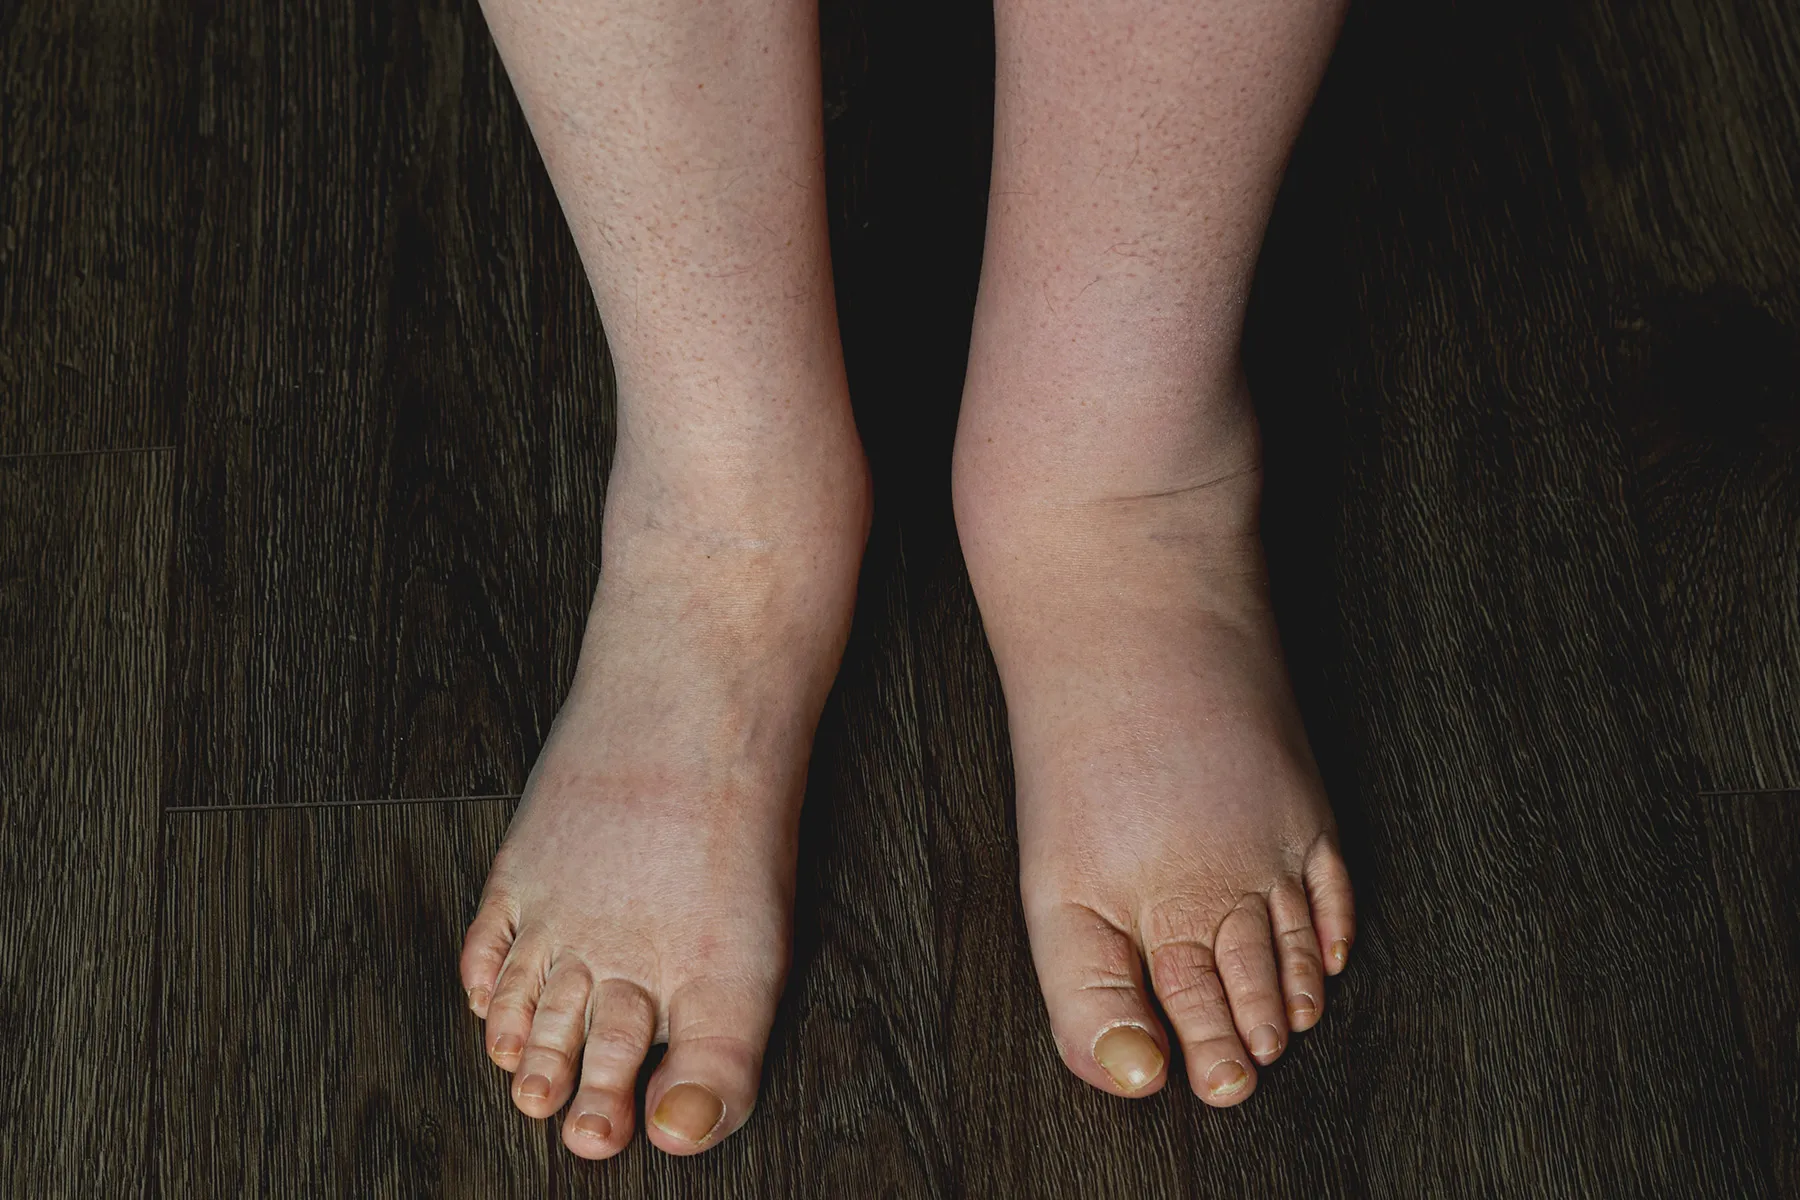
643	890
1107	478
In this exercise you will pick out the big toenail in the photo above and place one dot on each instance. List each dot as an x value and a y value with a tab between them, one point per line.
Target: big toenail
1226	1077
534	1087
508	1046
1129	1055
690	1112
1265	1040
1340	951
593	1125
478	998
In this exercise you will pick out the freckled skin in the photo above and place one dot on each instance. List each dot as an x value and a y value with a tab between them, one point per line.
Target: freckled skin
1174	835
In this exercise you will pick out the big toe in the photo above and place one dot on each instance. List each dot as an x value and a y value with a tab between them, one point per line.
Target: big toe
706	1085
1092	979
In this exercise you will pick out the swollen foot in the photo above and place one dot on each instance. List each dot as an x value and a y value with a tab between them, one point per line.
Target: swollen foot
1174	835
644	890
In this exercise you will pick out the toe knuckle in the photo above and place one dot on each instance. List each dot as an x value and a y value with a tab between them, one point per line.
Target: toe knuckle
1297	964
1100	978
1244	966
548	1052
627	1004
1185	977
1179	918
614	1041
508	1011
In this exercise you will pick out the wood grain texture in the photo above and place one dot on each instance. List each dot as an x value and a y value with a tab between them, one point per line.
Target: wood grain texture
1698	231
314	1038
1692	116
83	584
396	428
95	229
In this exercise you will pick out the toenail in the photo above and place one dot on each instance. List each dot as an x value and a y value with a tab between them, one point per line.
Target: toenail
1226	1077
689	1111
478	998
534	1087
1340	951
1130	1055
593	1125
1265	1040
1303	1006
508	1047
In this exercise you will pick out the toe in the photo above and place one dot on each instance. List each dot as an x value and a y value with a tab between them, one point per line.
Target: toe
1333	907
1245	952
1092	978
546	1070
484	952
706	1085
513	1003
599	1122
1186	978
1297	952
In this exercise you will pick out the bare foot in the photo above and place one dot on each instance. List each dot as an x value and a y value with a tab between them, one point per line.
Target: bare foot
1169	809
644	890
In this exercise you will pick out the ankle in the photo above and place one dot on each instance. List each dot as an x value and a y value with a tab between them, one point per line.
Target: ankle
1062	467
789	485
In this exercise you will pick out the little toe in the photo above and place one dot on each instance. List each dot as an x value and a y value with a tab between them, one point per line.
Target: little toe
1092	979
485	947
1297	950
1333	904
1220	1070
512	1006
600	1121
706	1085
1245	952
546	1071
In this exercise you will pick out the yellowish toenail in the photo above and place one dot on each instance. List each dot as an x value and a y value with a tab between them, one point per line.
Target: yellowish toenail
1302	1007
534	1087
1340	952
478	998
690	1112
1129	1055
507	1047
1265	1040
593	1125
1226	1077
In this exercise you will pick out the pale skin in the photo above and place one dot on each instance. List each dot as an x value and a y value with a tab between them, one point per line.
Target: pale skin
1175	839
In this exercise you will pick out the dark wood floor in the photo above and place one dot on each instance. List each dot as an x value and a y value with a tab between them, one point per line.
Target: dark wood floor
304	411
